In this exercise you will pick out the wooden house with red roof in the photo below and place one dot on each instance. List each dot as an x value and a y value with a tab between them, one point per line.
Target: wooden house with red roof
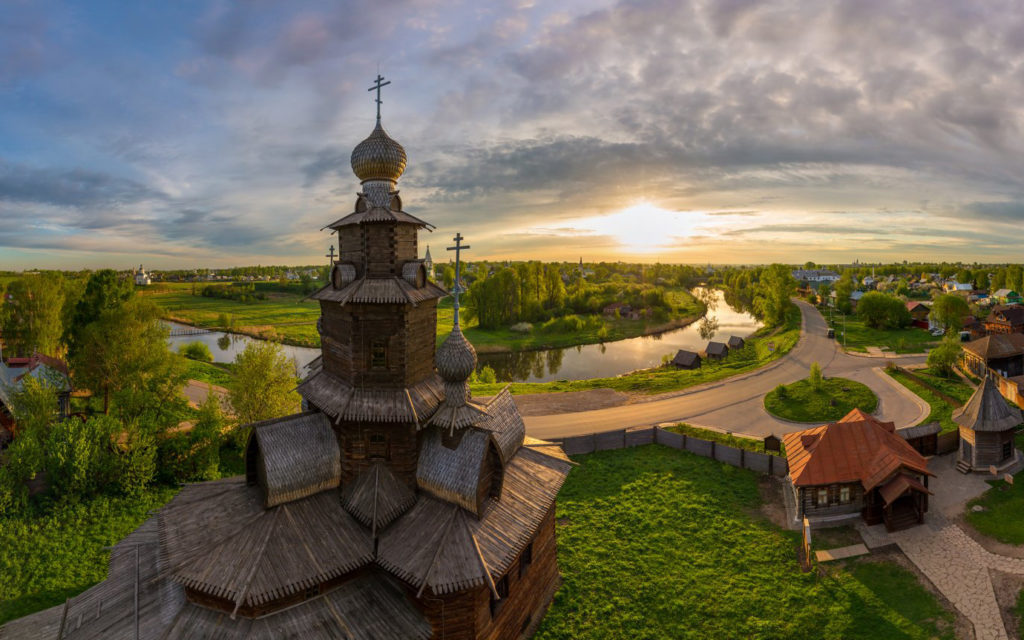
858	464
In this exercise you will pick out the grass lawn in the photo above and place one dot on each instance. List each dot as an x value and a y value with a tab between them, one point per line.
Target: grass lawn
942	411
214	373
749	444
1002	518
659	543
48	557
836	398
761	348
954	386
859	337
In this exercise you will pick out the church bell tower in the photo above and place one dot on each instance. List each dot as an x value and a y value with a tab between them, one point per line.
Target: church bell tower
378	321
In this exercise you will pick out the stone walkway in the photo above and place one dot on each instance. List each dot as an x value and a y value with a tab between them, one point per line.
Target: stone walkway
957	566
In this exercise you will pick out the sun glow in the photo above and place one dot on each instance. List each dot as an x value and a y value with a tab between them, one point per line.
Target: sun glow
643	227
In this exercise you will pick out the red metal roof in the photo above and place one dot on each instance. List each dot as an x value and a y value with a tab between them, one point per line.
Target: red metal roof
857	448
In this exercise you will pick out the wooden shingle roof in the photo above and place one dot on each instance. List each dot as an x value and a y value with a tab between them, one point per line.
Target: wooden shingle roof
377	214
296	456
376	497
856	448
997	345
505	424
218	538
716	349
341	401
735	342
391	290
453	474
437	545
684	358
986	410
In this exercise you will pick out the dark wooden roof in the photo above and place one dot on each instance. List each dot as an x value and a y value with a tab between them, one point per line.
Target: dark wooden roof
453	474
856	448
297	456
438	545
505	424
997	345
391	290
378	214
986	410
376	497
456	415
921	430
219	539
716	349
340	400
735	342
685	358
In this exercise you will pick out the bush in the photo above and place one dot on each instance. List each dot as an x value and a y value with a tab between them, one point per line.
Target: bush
815	378
522	327
780	391
487	375
883	311
196	351
942	358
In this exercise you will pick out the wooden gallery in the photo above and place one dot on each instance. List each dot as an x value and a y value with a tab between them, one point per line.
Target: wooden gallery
393	506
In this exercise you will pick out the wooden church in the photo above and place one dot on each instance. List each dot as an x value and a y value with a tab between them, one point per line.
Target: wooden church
394	506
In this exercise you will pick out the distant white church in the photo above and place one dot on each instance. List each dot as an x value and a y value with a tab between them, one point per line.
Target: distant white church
142	278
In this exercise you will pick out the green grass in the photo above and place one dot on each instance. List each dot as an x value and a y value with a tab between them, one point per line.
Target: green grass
214	373
659	543
953	386
48	557
1002	517
283	316
836	398
749	444
754	355
859	337
941	411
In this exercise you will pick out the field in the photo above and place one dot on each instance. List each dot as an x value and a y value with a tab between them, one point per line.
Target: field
802	403
1004	505
941	410
292	320
859	337
761	348
657	543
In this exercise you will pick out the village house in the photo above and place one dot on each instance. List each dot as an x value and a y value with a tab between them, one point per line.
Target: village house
715	351
735	342
396	506
1005	319
686	360
857	465
918	312
14	372
1001	352
987	425
1007	296
815	277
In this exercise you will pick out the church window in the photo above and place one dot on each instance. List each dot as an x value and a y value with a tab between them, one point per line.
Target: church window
1007	450
378	354
844	494
525	559
501	586
377	446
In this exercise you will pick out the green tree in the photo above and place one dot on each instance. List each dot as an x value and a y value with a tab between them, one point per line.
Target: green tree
772	294
949	310
815	378
883	311
448	277
196	351
942	358
124	354
32	314
902	288
105	290
264	384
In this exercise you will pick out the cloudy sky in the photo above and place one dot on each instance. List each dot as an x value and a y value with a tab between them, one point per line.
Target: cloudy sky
182	134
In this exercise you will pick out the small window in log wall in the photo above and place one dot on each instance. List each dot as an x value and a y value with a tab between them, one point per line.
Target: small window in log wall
378	354
501	586
1007	450
525	559
844	494
377	446
822	497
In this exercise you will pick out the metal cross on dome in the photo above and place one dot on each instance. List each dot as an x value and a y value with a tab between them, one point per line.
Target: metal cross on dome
376	86
331	255
457	288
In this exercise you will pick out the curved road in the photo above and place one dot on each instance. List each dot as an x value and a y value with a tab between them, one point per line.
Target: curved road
736	404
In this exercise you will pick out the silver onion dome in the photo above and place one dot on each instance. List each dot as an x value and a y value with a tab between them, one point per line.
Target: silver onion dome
379	157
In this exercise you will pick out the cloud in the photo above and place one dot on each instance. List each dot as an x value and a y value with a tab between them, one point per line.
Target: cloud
70	187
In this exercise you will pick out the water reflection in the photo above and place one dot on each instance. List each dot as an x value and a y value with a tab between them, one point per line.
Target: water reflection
615	358
226	346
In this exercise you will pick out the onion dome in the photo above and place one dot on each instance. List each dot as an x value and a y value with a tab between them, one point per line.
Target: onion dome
456	357
379	157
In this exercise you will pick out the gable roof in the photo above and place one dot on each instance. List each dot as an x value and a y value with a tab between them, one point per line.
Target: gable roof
1011	314
986	410
716	349
685	358
376	497
295	457
735	342
997	345
858	447
912	305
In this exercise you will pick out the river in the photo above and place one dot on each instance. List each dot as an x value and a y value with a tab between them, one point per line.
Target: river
572	363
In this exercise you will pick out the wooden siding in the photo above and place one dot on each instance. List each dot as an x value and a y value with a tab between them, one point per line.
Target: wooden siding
402	453
808	497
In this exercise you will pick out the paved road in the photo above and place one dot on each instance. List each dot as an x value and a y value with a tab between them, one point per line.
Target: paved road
736	404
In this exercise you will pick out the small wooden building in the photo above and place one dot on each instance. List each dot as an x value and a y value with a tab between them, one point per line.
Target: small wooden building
736	342
716	351
1003	352
858	464
686	360
1005	319
924	437
987	424
918	310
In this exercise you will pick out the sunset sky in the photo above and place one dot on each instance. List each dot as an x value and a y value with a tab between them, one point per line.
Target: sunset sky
188	134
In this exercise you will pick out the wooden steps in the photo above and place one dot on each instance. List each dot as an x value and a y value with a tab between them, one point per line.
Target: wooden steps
963	467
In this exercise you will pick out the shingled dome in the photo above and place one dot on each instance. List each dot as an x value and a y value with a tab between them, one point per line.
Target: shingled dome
379	157
987	411
456	357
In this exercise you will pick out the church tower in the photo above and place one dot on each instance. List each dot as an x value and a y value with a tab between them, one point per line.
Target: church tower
378	321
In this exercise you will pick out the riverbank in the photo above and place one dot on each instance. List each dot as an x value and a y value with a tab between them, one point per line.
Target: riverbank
764	346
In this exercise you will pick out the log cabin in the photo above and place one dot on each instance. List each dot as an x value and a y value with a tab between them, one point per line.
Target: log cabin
987	424
857	465
394	506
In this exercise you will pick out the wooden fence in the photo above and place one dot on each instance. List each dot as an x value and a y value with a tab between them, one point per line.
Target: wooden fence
637	436
947	442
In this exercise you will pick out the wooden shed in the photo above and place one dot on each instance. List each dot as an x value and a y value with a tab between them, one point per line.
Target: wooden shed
987	424
736	342
686	360
716	350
